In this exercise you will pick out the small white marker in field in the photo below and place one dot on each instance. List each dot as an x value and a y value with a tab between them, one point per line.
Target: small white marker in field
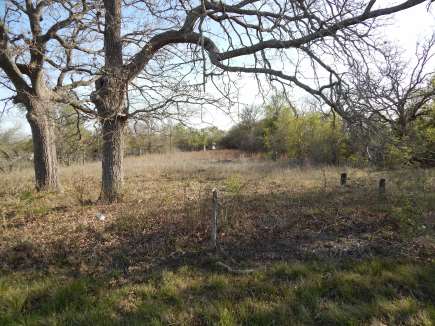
100	216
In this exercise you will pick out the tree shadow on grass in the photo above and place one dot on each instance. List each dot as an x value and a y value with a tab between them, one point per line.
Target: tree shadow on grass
363	292
253	229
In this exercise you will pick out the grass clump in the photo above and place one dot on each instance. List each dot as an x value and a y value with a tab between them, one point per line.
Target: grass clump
300	293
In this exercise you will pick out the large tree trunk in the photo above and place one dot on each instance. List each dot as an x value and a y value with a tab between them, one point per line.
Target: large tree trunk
44	148
113	153
109	99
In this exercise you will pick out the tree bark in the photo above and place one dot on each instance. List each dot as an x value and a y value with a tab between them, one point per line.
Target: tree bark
112	162
44	148
109	99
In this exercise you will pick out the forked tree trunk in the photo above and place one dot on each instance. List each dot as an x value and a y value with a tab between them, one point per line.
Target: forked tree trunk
44	149
113	154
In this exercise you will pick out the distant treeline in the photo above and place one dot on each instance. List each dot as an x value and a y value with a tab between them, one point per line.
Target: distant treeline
281	131
77	142
277	130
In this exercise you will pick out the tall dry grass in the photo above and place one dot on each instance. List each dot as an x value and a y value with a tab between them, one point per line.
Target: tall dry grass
166	208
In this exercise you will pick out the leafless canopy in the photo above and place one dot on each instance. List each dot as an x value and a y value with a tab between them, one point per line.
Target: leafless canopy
168	50
388	89
45	49
297	43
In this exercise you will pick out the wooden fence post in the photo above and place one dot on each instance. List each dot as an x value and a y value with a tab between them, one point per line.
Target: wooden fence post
343	179
382	183
214	224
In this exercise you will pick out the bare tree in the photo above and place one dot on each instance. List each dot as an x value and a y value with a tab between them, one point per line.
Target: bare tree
40	46
297	43
390	90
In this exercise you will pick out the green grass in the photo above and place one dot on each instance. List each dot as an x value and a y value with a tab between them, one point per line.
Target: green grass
369	292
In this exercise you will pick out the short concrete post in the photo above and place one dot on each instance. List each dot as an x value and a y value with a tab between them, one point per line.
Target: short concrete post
382	183
343	179
214	225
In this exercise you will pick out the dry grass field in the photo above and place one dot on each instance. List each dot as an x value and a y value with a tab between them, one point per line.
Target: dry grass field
295	247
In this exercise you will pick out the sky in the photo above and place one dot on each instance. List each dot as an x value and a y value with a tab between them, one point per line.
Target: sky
404	29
